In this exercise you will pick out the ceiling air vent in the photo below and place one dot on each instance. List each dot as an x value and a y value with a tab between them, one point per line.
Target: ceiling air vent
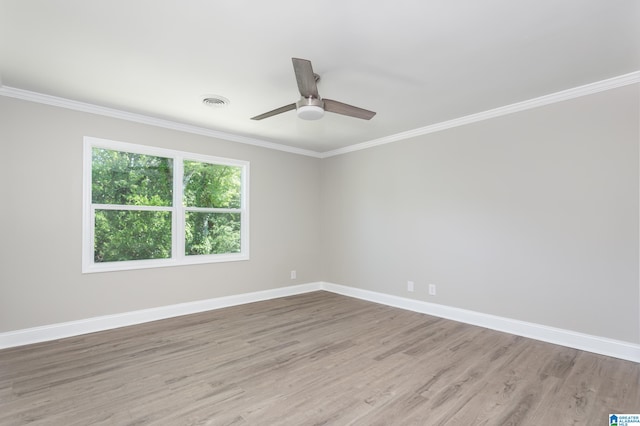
215	101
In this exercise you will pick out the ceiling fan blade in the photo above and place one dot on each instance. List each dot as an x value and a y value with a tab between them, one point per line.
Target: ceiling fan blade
275	112
305	78
345	109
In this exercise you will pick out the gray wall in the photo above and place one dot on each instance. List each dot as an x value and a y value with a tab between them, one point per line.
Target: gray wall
531	216
41	221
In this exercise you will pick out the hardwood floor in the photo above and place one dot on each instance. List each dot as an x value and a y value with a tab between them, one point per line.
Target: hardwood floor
312	359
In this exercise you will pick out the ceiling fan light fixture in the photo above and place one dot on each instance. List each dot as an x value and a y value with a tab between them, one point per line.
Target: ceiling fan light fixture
310	112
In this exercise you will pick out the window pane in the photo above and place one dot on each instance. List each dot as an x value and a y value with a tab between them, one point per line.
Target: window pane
212	233
212	185
131	179
132	235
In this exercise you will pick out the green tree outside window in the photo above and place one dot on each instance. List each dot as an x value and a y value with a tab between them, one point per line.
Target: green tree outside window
135	212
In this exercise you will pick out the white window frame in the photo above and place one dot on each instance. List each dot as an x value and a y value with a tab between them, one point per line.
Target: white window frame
177	209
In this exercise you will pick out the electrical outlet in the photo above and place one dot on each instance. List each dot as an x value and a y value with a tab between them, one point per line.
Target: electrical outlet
432	289
409	285
293	275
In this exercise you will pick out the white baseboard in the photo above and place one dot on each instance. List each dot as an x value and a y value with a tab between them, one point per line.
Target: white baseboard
572	339
558	336
108	322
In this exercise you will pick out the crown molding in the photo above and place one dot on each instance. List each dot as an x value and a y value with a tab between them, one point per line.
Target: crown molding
576	92
587	89
27	95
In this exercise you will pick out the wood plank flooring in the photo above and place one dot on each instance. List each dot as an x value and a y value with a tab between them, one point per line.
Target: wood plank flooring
312	359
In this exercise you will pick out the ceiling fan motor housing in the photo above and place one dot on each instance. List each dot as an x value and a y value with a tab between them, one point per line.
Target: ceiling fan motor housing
310	108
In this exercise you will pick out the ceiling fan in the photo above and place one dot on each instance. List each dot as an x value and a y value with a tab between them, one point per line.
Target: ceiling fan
311	106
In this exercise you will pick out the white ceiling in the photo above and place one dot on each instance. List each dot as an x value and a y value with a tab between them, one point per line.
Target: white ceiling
414	62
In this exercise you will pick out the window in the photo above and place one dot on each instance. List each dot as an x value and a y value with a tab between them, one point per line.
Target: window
148	207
